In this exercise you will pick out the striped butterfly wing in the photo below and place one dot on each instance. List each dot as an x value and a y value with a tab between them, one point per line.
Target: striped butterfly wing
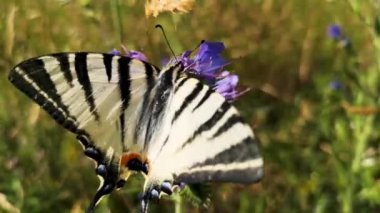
93	95
202	138
99	97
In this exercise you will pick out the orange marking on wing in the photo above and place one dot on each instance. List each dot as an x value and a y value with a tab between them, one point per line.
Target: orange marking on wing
126	157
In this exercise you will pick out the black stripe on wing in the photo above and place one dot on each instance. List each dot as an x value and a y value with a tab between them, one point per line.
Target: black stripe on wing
231	121
124	82
125	93
83	78
244	150
150	82
64	65
48	100
160	99
33	79
107	60
35	71
193	94
246	175
204	98
239	163
179	85
210	123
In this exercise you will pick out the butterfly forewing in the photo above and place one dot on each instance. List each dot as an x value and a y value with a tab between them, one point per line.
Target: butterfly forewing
91	94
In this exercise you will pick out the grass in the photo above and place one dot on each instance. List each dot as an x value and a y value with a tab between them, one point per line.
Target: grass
320	145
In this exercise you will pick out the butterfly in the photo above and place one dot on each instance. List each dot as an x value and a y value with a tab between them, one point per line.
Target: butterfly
131	117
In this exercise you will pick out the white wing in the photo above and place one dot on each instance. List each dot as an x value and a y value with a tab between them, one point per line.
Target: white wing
96	96
202	138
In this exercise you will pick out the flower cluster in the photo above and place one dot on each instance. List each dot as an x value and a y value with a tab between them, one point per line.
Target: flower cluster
335	32
207	64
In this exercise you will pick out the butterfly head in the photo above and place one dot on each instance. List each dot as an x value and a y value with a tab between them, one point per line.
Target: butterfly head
132	162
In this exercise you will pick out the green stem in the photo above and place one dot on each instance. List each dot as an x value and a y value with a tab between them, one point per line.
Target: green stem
178	203
117	19
347	196
363	133
363	130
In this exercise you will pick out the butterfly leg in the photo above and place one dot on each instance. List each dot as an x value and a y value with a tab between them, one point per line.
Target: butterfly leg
155	191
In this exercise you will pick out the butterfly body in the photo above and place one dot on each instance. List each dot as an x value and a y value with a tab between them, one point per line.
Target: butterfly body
130	117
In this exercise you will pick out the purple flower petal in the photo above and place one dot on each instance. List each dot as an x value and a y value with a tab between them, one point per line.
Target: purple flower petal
334	31
210	48
185	59
227	86
115	52
131	53
224	74
208	60
136	55
335	85
164	61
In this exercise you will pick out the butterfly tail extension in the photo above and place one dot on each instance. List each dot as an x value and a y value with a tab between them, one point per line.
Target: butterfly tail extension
106	170
147	195
104	189
144	205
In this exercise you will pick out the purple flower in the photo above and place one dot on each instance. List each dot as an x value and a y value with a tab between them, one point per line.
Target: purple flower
131	53
207	62
164	61
185	59
334	31
209	65
227	86
208	59
115	52
136	55
335	85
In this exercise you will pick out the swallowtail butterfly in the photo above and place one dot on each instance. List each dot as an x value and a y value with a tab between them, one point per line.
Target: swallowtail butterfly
131	117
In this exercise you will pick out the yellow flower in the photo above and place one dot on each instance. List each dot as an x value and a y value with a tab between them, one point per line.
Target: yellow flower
155	7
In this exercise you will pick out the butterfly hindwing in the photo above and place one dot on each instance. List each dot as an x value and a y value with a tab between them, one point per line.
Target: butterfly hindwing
203	138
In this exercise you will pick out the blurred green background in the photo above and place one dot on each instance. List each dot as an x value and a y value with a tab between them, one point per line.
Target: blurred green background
314	104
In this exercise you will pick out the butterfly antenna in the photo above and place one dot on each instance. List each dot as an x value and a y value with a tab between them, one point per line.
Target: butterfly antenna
167	41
